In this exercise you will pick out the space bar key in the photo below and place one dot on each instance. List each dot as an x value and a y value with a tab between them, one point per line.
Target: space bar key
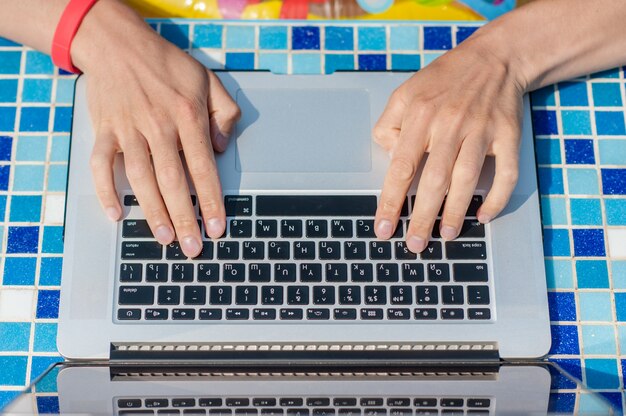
316	205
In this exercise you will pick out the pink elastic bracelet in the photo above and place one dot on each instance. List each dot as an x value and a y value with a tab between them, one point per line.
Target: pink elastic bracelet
69	23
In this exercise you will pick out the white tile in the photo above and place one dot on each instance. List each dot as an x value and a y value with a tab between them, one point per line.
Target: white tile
617	242
16	304
212	59
55	208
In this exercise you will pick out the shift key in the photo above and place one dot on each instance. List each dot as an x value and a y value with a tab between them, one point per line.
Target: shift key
142	250
466	250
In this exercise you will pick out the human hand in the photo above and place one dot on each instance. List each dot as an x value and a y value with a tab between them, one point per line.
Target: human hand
463	106
148	98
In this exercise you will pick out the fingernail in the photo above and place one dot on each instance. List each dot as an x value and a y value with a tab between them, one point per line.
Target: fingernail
484	218
164	234
214	227
448	233
191	245
384	229
416	244
113	213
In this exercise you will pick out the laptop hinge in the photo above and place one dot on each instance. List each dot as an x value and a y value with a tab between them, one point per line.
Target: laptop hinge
308	353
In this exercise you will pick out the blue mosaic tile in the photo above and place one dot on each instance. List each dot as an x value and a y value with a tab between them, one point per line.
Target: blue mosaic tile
6	146
572	367
592	404
48	304
207	36
336	62
25	208
49	384
10	62
34	118
6	43
37	90
273	37
5	171
19	271
240	60
559	274
38	63
31	148
615	210
609	73
544	96
599	340
7	396
47	405
28	178
15	336
372	38
550	181
582	181
621	339
372	62
618	269
556	242
177	34
564	340
57	178
610	123
606	94
305	37
620	306
573	94
595	306
3	206
562	306
613	181
13	370
45	337
240	37
63	119
544	122
306	63
553	211
339	38
588	242
548	151
404	38
592	274
23	240
7	118
405	62
50	271
437	38
65	91
275	62
585	211
601	373
464	32
8	90
52	240
41	364
561	403
614	399
579	152
612	152
576	122
59	151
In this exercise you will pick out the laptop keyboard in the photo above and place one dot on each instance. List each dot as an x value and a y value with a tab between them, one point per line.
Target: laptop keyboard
305	406
304	258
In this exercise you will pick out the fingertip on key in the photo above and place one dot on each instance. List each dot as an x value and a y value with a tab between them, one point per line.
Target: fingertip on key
448	232
191	246
164	234
416	244
215	227
384	230
484	218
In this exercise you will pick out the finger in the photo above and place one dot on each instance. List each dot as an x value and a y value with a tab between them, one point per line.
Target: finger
175	190
101	162
386	132
142	181
400	174
223	113
504	181
465	175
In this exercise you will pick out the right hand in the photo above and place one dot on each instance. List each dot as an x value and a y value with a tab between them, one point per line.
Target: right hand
148	98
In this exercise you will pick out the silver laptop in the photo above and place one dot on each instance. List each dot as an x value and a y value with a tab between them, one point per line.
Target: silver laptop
299	276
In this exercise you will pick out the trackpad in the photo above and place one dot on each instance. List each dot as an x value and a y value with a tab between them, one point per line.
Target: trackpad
303	130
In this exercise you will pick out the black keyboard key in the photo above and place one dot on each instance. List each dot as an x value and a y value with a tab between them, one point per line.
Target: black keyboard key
129	314
344	314
375	295
156	272
341	228
210	315
238	205
174	252
317	401
354	250
372	314
349	295
401	295
426	295
278	250
310	272
270	411
291	228
246	295
136	229
304	250
182	272
272	295
412	272
426	402
365	229
259	272
298	412
452	295
237	314
449	402
240	229
387	272
237	402
152	403
478	295
253	250
432	251
344	401
183	314
317	314
220	412
470	272
298	295
316	228
228	250
316	205
479	313
478	402
466	250
438	272
183	402
169	295
380	250
207	251
220	295
291	401
361	272
398	313
131	272
336	272
136	295
374	412
452	313
329	250
291	314
399	231
324	295
469	229
475	203
234	272
195	295
210	402
264	402
208	272
128	403
284	272
398	402
263	314
156	314
130	201
141	250
403	252
266	228
349	411
425	313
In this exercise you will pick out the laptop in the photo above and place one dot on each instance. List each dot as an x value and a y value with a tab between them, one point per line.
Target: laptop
299	277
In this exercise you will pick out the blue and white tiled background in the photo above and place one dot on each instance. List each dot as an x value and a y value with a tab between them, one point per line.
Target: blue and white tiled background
581	151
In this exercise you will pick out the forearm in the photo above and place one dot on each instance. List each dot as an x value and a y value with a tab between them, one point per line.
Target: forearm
548	41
